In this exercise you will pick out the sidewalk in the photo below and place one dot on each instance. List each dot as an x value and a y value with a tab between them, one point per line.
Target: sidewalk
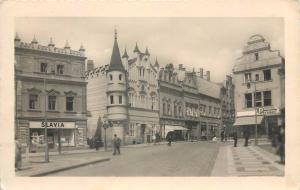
246	161
36	166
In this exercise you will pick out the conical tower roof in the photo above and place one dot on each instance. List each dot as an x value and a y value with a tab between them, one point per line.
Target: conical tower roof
156	63
115	61
34	40
51	42
125	55
136	49
147	52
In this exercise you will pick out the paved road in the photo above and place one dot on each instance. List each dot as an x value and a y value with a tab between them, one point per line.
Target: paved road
181	159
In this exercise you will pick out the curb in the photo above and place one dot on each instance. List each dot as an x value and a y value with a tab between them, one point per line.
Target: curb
59	169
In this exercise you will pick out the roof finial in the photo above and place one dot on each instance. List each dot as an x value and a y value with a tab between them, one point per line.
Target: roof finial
34	41
116	34
17	38
136	49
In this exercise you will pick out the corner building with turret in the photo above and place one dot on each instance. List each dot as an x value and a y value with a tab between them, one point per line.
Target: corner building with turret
124	93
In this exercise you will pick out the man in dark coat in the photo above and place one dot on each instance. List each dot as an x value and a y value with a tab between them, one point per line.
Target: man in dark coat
246	136
235	138
117	144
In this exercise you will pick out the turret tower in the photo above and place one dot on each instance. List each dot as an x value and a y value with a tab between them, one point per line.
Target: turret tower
116	92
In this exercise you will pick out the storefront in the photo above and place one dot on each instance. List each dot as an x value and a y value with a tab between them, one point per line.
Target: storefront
63	133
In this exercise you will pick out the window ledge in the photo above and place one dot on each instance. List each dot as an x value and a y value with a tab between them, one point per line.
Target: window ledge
53	111
72	112
34	110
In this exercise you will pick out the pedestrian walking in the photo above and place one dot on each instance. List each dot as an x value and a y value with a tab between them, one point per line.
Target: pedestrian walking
235	138
117	144
169	138
97	143
222	136
18	155
281	141
246	136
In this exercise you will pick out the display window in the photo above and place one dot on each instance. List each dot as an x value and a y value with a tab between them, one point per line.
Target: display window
66	136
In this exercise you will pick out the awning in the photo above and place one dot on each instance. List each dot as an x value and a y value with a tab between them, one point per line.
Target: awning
248	120
169	128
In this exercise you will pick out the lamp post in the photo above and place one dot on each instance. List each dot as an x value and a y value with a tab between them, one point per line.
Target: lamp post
45	120
255	114
105	126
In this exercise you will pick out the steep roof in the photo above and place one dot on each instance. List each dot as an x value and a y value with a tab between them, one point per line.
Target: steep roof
115	61
208	88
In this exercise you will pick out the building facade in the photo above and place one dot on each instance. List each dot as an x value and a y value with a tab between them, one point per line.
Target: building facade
227	106
50	92
189	104
126	93
259	87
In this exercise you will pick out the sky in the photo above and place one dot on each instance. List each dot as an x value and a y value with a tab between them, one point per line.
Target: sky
209	43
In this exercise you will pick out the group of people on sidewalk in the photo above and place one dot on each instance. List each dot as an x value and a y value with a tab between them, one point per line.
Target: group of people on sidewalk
278	141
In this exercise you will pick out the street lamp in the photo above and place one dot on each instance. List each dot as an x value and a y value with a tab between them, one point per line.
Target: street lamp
249	86
105	126
45	120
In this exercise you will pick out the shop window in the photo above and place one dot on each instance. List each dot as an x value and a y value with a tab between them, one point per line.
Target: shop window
60	69
44	67
248	100
267	98
247	77
120	77
267	75
111	99
258	99
120	100
33	101
51	102
70	103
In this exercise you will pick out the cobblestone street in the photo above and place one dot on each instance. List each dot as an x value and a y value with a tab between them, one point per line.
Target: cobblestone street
181	159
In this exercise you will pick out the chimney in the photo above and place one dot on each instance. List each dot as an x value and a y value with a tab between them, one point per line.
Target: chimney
208	75
90	65
201	72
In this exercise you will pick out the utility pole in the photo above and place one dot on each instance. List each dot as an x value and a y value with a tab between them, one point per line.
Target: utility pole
45	122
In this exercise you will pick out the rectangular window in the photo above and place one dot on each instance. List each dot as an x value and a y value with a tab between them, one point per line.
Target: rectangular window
169	109
51	102
175	110
111	99
248	100
267	74
256	56
131	130
60	69
209	110
33	101
179	111
164	109
120	100
267	98
204	108
256	77
70	103
247	77
44	67
258	100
